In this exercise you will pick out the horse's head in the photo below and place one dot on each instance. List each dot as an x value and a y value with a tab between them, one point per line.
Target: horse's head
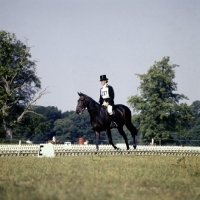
82	103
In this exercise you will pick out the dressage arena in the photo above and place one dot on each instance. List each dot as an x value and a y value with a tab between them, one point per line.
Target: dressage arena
87	150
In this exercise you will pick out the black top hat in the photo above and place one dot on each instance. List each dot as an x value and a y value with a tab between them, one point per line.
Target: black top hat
103	78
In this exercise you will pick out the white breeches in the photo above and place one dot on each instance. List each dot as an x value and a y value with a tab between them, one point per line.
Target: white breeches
110	109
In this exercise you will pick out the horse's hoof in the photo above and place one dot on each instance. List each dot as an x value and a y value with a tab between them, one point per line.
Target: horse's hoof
129	151
117	149
96	152
134	146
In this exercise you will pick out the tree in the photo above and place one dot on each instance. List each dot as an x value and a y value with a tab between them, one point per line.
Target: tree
73	126
65	129
50	112
196	109
30	126
18	81
159	111
194	133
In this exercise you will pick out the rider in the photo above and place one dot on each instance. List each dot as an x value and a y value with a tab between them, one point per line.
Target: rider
107	98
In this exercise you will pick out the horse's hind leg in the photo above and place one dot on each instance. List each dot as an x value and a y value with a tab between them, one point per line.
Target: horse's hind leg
121	131
97	134
133	131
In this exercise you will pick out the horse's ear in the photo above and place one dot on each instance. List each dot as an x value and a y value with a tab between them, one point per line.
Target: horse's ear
80	94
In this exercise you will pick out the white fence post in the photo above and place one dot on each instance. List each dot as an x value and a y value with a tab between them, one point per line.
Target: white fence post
19	147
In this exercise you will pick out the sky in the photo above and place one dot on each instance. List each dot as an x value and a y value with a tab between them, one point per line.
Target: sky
76	41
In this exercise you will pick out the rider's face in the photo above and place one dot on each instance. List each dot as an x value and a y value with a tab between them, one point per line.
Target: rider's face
103	83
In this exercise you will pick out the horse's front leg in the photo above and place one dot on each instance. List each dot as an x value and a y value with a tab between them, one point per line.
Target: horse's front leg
97	135
110	138
121	131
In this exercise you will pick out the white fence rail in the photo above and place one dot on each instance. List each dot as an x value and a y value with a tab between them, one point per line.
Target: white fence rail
93	147
63	149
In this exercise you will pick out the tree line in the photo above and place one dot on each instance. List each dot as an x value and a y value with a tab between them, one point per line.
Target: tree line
157	111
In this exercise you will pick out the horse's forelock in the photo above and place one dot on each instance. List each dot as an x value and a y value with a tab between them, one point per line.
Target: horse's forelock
84	97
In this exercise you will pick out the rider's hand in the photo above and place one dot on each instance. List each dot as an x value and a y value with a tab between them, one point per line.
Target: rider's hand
105	104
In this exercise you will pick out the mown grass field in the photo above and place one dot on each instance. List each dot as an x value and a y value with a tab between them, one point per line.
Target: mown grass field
100	177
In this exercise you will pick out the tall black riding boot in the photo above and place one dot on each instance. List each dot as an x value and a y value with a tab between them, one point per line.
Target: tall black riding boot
113	123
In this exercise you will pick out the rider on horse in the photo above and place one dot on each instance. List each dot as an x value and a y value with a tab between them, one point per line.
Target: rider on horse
107	98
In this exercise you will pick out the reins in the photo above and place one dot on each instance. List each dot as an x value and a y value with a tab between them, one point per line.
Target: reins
86	108
87	99
92	109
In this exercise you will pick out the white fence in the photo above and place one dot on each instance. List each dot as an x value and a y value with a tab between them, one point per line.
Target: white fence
92	147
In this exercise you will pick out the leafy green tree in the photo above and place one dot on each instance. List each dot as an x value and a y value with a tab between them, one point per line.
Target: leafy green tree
196	109
2	131
159	111
18	81
32	125
50	112
65	128
194	133
73	126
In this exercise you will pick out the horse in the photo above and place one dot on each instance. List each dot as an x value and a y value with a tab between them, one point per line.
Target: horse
55	142
101	120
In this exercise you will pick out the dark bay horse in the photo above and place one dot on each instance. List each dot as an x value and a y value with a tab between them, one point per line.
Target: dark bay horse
100	119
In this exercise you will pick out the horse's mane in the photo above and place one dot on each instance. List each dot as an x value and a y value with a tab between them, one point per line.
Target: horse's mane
89	98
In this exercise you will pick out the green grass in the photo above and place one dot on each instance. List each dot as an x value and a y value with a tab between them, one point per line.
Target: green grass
100	177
